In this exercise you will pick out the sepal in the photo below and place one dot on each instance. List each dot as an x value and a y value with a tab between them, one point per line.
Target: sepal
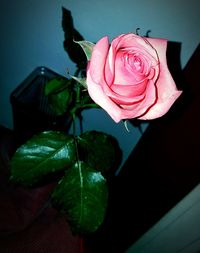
87	47
80	80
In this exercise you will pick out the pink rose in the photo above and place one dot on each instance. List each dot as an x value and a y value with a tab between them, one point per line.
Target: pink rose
129	78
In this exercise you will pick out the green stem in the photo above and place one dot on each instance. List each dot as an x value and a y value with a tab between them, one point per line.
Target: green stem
74	124
78	94
77	101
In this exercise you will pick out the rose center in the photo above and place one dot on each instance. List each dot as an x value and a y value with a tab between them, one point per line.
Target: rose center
133	61
131	67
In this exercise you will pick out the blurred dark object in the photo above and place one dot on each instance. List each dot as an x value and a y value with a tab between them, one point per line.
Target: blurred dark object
31	111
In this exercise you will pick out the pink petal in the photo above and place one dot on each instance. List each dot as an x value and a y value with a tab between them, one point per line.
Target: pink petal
97	94
167	90
98	59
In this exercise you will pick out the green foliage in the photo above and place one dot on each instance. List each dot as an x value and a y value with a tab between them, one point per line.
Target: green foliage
60	101
68	97
76	98
60	94
82	193
46	153
55	85
97	150
84	160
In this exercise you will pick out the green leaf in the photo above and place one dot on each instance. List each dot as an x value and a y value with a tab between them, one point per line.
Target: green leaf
60	94
59	102
44	154
82	193
87	47
98	150
55	85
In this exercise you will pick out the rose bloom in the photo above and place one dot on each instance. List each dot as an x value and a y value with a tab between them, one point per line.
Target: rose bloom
129	78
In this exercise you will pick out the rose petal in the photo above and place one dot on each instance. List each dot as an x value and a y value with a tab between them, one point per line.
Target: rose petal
167	90
161	108
98	95
133	41
137	109
128	92
98	59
